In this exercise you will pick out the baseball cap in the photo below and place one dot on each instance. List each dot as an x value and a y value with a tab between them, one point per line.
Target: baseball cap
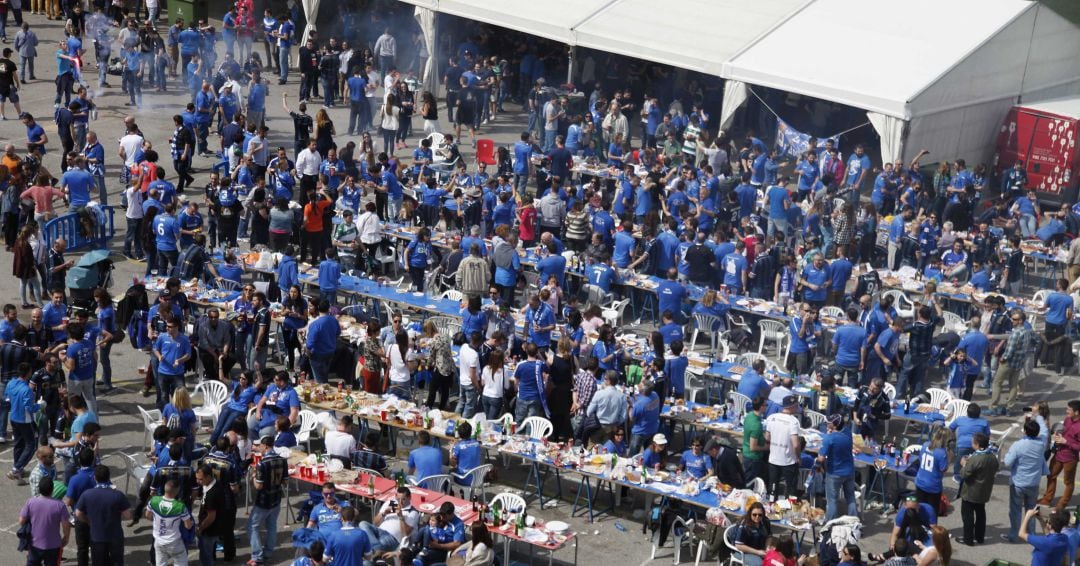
790	401
659	438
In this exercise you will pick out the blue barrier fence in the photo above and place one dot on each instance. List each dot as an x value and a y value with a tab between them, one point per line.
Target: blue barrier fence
68	228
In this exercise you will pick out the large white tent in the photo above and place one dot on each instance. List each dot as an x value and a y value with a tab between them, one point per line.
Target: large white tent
929	74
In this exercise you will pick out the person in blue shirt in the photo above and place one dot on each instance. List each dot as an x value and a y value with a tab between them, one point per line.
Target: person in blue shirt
190	222
287	274
1059	312
955	261
172	351
966	426
1049	549
849	341
167	232
531	377
758	159
808	173
836	456
624	245
465	455
1053	227
616	443
980	278
672	295
321	343
1027	207
669	329
539	322
695	462
416	257
326	516
424	460
644	415
801	331
652	457
522	161
814	279
329	276
22	411
348	544
839	271
733	267
914	516
858	167
779	201
933	461
752	384
602	274
643	204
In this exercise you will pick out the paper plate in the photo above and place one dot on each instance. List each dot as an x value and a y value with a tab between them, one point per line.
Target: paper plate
428	507
557	526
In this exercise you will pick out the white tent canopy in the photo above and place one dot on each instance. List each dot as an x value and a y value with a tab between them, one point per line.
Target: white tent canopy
952	77
699	36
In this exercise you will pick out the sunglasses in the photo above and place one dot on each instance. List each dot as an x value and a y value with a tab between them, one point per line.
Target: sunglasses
170	326
757	514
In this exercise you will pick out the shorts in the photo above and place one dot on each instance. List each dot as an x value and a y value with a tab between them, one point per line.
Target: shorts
11	95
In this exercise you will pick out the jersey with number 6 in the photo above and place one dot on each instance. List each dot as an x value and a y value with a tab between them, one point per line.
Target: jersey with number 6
167	230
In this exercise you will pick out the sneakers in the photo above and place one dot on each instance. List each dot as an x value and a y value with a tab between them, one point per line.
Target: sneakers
1005	537
14	475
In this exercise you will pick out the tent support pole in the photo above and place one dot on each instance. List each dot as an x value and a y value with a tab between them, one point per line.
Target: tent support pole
571	58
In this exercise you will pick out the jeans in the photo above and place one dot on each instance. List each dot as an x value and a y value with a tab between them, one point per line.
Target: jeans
165	259
134	87
492	407
1020	500
974	517
638	442
25	444
46	557
778	225
386	63
466	405
206	549
85	388
833	486
224	422
106	364
393	208
26	63
526	409
260	518
82	542
328	91
754	469
910	381
549	139
388	137
283	64
32	284
202	130
960	453
1028	225
381	541
358	122
167	383
320	367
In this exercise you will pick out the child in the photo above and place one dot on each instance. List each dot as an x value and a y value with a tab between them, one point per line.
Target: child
554	293
779	551
285	437
958	366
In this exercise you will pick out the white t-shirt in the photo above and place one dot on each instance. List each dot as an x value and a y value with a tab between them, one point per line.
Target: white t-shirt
399	371
373	79
494	385
468	358
340	443
135	202
130	143
781	427
392	523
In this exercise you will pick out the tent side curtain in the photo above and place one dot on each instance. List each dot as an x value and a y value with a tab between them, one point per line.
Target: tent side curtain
311	13
426	18
891	131
735	95
960	132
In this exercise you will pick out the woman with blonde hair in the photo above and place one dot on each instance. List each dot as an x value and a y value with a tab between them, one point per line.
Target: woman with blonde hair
441	361
933	462
324	132
179	415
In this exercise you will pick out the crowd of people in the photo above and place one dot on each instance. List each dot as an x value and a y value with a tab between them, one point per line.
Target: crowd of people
708	216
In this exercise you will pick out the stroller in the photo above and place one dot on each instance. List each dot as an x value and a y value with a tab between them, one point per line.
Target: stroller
93	271
834	536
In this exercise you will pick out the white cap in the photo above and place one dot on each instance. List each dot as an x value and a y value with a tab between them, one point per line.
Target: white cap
659	438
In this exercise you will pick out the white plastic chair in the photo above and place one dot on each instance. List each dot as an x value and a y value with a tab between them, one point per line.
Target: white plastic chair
509	502
214	394
757	485
736	554
953	321
772	330
834	312
815	418
475	477
1040	296
308	423
890	391
597	296
135	471
694	384
955	408
614	313
452	294
537	428
704	324
749	358
151	419
740	402
437	483
939	397
903	305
